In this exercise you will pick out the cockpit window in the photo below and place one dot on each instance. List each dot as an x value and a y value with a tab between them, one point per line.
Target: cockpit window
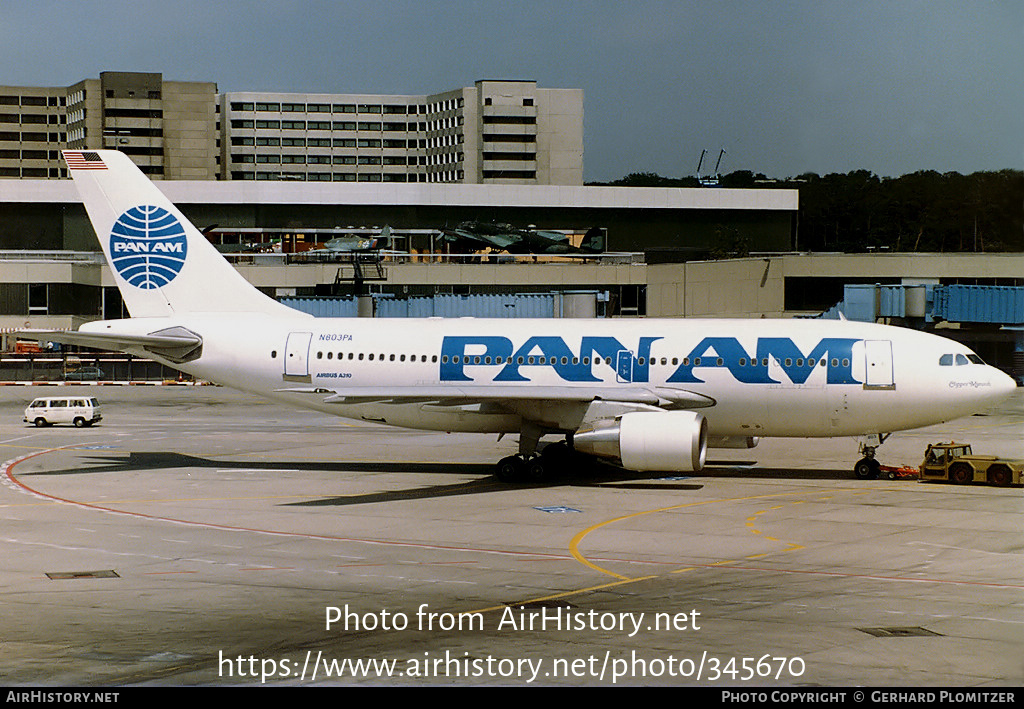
948	360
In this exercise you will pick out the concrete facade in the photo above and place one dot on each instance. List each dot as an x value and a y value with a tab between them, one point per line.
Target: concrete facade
497	132
167	127
494	132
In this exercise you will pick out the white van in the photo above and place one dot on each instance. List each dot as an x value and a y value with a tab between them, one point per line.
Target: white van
48	410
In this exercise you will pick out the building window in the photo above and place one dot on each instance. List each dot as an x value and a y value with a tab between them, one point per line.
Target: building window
37	299
521	157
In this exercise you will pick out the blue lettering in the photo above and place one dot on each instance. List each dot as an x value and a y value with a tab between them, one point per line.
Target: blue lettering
727	352
546	351
837	350
454	357
834	354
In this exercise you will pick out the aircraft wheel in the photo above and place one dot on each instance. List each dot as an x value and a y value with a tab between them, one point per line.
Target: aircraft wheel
866	469
538	469
510	469
961	473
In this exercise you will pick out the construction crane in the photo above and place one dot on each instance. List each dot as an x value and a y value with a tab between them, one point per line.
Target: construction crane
712	180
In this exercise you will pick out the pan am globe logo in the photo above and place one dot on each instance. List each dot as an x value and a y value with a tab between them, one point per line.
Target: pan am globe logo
148	246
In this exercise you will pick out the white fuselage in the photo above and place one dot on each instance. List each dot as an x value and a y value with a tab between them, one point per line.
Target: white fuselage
765	377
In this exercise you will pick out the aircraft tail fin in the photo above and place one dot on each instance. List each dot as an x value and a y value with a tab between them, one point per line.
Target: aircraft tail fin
593	240
384	240
162	264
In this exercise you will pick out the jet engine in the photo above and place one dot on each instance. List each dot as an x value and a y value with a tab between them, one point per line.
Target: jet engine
671	441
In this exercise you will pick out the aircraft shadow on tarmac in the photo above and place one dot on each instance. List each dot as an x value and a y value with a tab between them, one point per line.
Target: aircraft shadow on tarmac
597	475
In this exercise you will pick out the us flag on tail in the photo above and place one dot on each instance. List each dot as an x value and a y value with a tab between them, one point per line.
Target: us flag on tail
79	160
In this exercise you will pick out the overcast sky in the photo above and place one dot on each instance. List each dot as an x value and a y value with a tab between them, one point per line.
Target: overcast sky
783	87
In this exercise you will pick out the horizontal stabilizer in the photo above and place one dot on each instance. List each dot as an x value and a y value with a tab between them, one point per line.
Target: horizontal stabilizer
177	345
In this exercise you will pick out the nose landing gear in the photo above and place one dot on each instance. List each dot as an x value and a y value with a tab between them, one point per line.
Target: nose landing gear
868	467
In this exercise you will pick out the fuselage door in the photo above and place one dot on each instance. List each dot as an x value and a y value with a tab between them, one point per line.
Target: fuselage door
878	372
296	354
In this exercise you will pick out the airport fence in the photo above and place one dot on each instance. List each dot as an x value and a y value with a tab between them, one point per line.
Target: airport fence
59	367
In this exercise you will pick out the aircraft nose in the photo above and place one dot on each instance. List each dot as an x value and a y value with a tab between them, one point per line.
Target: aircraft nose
1003	384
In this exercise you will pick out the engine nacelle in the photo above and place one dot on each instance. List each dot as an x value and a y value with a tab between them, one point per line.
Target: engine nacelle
668	441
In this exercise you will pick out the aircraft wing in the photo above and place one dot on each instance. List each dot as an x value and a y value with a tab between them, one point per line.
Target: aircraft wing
555	236
495	241
457	395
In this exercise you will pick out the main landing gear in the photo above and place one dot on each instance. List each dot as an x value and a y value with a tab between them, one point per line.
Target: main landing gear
551	462
868	467
529	464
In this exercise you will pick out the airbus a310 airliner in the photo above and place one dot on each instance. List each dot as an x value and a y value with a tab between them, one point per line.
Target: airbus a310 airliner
646	394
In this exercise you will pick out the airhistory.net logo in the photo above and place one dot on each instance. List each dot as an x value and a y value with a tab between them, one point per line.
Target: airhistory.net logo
148	246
